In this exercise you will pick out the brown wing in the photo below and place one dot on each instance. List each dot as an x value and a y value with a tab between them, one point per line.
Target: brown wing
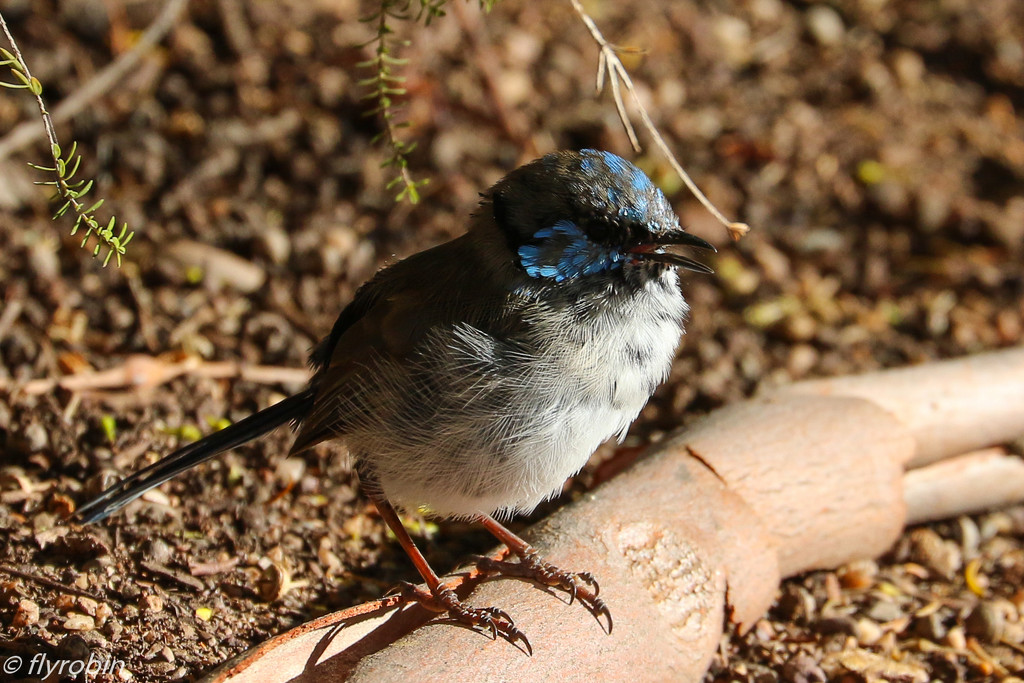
389	317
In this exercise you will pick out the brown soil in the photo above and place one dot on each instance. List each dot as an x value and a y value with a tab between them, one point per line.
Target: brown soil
876	148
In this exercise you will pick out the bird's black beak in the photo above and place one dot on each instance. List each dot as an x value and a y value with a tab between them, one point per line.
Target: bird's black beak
656	251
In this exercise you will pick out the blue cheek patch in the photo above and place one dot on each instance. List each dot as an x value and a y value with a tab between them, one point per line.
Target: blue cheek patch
563	251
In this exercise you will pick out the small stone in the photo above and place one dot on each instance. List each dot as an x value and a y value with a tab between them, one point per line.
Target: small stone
43	260
36	437
970	537
832	625
796	604
290	470
986	622
103	613
866	631
956	638
733	35
802	359
64	603
930	627
87	605
79	622
159	551
151	603
275	242
943	558
858	575
802	668
995	524
764	630
878	668
884	611
25	614
825	25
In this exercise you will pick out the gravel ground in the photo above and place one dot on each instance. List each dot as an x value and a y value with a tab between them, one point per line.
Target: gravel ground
875	147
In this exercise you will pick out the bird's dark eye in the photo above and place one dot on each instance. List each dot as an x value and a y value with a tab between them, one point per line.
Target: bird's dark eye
601	232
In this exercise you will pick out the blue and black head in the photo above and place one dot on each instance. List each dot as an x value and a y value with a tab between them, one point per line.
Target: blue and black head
570	215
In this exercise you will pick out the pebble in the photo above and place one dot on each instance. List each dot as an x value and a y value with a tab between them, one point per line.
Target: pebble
275	242
943	558
986	622
79	622
803	668
733	36
159	551
151	603
884	611
858	575
36	437
25	614
929	627
866	631
831	625
825	25
956	638
874	667
796	604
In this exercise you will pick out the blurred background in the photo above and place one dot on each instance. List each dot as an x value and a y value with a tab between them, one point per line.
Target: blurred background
874	146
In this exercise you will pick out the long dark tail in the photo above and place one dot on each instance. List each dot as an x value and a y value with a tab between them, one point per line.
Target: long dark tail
257	424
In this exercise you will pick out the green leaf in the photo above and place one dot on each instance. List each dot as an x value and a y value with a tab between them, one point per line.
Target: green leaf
109	425
74	169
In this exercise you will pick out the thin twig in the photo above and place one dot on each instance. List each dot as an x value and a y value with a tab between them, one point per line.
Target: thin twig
49	583
609	66
146	372
113	74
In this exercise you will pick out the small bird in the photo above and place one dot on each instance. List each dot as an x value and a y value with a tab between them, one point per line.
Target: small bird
472	379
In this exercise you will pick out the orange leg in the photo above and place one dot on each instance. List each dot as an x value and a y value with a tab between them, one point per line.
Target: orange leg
440	598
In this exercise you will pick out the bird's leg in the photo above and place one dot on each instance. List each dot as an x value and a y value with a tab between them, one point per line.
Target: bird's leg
441	598
531	565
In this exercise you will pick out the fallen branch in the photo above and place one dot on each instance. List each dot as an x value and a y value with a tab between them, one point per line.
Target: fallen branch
700	530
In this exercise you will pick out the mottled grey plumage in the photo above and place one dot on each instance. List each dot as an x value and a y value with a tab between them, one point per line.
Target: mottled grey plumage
474	378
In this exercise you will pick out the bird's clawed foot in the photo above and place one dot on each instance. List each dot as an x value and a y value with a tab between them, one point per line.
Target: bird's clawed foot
580	586
491	620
